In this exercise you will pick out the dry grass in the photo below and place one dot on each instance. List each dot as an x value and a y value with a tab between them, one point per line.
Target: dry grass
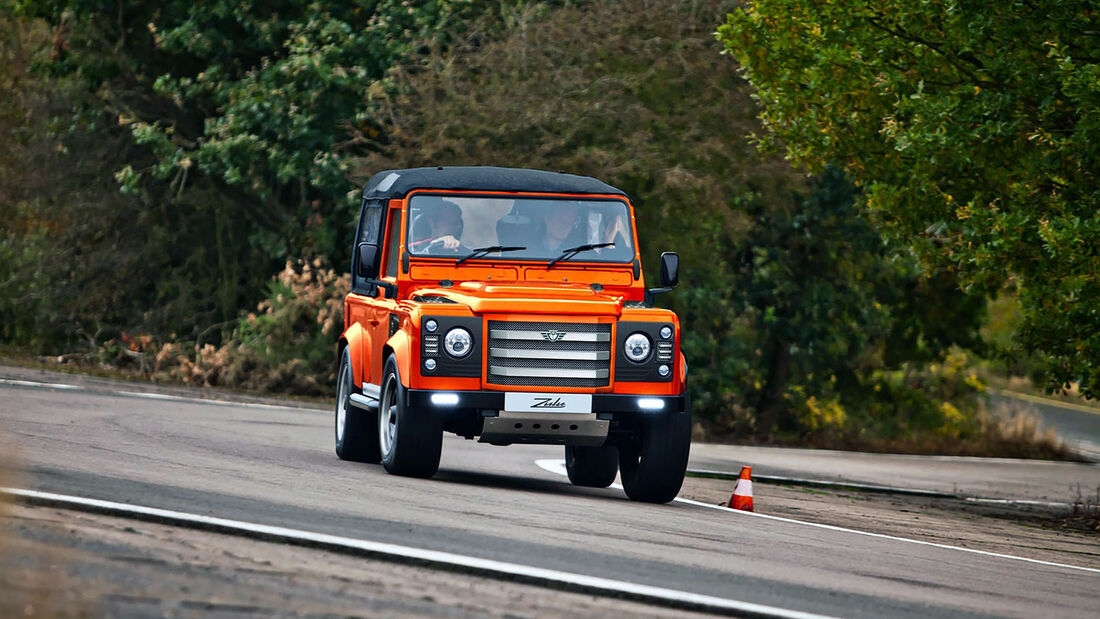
1086	512
1005	432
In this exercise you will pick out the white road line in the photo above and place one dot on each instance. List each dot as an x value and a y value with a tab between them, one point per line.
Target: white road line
558	467
28	383
150	395
512	571
1027	502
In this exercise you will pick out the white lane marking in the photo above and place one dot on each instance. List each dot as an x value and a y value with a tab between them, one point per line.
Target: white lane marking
28	383
588	583
558	466
151	396
978	499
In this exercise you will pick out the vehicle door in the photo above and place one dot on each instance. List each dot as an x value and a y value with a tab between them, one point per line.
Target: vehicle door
360	304
382	306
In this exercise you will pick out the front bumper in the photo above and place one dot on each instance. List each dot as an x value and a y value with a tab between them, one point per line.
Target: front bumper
622	405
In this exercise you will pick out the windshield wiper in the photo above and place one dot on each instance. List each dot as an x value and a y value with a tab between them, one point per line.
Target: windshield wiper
484	251
573	251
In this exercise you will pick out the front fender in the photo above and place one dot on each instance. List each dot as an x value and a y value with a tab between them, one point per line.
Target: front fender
358	343
400	344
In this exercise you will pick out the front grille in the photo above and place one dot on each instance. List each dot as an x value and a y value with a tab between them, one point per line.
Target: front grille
549	354
664	351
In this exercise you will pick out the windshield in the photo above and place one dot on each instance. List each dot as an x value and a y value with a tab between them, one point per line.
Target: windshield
455	226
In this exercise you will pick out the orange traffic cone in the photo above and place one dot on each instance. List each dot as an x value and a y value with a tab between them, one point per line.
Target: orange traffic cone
742	491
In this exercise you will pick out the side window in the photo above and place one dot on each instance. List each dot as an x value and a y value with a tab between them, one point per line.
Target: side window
371	226
393	244
368	231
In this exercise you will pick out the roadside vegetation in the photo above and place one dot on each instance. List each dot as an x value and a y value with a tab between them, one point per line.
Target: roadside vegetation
1086	511
179	198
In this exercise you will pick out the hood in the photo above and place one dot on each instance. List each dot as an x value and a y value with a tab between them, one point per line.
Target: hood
486	298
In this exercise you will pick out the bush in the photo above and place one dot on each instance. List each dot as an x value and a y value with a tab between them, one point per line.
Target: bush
285	346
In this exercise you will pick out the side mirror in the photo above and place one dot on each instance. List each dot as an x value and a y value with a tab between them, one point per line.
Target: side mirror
367	256
670	269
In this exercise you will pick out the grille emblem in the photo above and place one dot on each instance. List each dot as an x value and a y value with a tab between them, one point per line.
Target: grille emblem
553	335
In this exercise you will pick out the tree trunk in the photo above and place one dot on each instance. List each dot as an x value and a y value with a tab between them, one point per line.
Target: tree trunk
771	403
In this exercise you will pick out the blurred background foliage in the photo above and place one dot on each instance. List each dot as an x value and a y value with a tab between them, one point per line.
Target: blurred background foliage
167	158
974	130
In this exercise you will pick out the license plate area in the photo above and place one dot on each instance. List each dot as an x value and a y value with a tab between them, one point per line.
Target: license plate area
569	403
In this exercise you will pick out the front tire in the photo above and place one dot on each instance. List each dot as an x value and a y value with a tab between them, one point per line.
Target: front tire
410	440
593	467
356	431
653	464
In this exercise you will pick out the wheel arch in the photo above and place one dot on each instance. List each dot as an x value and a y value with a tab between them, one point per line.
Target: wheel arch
400	346
355	339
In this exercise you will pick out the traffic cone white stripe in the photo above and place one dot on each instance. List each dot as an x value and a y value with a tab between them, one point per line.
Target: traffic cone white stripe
742	490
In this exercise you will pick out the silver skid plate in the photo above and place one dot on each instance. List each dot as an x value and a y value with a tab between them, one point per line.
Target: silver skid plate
544	429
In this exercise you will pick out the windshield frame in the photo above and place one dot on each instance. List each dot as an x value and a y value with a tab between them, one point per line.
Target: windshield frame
501	257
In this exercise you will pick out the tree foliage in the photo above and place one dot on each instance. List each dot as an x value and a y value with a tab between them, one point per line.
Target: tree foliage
257	98
973	130
787	292
226	125
238	131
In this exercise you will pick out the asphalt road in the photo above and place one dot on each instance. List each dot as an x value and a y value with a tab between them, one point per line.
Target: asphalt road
1077	425
276	466
995	478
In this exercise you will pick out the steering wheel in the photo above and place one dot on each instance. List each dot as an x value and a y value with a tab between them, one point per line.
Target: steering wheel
436	247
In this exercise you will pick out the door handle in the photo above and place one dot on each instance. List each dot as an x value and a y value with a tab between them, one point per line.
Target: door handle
374	322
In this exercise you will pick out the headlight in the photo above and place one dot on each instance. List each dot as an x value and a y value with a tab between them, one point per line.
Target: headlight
638	347
458	342
666	332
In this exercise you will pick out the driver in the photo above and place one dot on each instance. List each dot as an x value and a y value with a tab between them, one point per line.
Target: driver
443	230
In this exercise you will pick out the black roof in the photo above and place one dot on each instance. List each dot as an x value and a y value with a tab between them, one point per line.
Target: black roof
397	183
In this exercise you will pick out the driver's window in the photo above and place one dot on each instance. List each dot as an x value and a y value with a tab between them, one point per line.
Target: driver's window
392	243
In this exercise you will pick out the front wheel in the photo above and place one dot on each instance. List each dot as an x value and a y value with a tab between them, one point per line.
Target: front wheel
594	467
652	464
409	439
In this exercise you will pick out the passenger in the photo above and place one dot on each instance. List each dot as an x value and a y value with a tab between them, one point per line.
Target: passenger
614	230
559	230
438	228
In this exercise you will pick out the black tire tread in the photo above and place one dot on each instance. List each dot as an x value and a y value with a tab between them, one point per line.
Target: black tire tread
592	467
652	467
418	442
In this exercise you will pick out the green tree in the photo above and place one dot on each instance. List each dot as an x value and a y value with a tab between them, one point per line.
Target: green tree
973	130
787	290
832	303
257	97
228	127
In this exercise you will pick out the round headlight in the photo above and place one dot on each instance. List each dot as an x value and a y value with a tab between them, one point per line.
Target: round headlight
637	347
663	370
666	332
458	342
431	326
429	364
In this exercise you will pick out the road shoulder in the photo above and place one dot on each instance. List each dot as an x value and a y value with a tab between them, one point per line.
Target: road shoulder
56	562
1021	531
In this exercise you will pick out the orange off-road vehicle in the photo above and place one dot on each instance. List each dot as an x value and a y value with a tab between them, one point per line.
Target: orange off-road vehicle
509	305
